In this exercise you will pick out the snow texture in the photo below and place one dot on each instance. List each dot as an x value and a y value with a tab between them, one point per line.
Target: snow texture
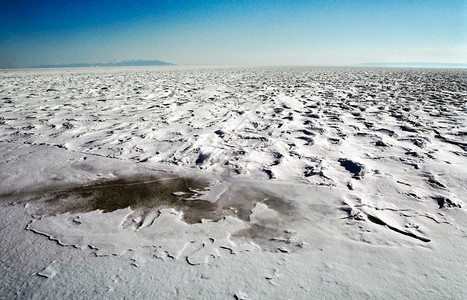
260	183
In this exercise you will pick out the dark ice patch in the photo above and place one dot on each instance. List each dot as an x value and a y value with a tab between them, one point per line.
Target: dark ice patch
380	144
444	202
201	158
353	167
146	193
220	133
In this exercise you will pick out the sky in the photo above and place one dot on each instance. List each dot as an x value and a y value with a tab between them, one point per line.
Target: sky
237	33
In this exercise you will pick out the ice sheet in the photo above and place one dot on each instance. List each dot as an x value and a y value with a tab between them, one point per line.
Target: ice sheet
240	183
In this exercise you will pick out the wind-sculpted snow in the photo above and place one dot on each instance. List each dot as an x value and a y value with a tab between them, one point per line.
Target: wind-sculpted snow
313	168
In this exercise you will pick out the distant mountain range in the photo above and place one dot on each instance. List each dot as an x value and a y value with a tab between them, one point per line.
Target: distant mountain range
123	63
413	65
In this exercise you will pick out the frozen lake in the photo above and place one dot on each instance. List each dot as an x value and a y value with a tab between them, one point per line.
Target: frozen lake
242	183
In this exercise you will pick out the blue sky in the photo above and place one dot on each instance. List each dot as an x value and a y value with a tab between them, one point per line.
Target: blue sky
232	32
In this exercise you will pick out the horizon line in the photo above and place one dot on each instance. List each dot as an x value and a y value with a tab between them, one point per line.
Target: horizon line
149	63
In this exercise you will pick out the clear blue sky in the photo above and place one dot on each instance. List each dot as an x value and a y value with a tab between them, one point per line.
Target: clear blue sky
261	32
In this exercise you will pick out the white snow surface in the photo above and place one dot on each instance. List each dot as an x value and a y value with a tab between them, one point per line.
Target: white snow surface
231	183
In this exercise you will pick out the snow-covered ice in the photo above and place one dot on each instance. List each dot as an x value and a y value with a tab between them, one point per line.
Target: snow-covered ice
282	183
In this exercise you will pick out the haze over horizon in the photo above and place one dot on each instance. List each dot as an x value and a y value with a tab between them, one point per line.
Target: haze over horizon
232	32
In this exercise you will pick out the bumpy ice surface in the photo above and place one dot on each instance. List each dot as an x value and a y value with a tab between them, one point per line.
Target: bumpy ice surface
241	183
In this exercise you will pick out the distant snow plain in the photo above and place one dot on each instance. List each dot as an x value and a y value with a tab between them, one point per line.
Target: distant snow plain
232	183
